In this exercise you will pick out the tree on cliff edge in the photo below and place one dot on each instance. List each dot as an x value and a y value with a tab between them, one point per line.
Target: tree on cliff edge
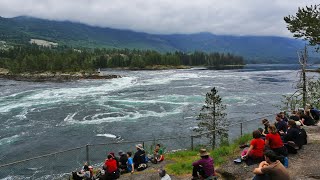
306	24
212	119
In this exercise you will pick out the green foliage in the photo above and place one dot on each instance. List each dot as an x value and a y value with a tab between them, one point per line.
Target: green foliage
212	121
183	159
255	49
32	58
306	24
294	101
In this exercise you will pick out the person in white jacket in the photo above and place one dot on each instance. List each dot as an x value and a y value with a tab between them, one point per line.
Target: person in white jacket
163	174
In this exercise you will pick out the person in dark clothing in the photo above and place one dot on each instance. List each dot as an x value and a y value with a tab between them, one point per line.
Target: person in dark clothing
315	113
281	125
291	138
123	161
307	119
266	124
283	116
203	167
140	156
294	116
302	135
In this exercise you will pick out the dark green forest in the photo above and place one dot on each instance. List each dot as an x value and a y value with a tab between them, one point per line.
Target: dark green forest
33	58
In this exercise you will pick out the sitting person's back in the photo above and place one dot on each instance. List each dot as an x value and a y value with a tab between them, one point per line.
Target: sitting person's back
271	168
203	167
123	161
255	152
273	140
139	157
307	119
111	167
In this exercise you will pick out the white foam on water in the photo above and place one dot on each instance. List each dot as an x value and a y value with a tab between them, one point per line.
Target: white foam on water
57	95
9	140
107	135
127	116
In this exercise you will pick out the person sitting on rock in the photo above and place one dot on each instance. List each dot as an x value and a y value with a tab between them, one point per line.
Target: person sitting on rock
274	142
271	168
139	158
122	162
163	175
291	138
281	125
111	168
204	167
83	174
294	116
130	164
254	153
266	124
157	154
307	119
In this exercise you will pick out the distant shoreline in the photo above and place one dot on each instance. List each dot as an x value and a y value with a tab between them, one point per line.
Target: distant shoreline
72	76
54	77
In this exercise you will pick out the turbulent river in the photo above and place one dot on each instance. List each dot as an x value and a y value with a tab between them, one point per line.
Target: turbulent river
40	118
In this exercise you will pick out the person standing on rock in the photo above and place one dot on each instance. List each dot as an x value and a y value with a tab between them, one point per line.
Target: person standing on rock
203	167
271	168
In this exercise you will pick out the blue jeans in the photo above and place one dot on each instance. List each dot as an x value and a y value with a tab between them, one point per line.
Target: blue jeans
261	177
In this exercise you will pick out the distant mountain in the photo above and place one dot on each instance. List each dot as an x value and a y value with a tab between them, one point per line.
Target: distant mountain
259	49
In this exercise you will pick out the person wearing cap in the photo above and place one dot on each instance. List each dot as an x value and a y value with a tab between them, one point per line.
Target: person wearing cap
271	168
140	156
203	167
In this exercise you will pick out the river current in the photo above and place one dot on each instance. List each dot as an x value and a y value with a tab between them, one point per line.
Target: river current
39	118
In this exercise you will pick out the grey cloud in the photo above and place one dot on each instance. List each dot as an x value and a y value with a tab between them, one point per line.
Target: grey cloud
235	17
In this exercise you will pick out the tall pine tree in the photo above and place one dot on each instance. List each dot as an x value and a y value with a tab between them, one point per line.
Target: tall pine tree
212	121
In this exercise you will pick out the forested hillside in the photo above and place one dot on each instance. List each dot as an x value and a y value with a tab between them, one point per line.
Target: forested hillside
256	49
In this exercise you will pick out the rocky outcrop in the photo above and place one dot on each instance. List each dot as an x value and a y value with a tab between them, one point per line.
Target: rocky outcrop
57	77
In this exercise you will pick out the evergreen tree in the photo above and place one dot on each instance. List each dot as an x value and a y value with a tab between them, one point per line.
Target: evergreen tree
306	24
212	118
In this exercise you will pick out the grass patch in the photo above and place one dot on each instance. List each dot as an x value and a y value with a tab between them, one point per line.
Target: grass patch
183	159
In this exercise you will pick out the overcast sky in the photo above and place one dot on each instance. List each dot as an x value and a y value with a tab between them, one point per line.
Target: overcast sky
235	17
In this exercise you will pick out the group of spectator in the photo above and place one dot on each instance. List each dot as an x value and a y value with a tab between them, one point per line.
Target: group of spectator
272	144
125	163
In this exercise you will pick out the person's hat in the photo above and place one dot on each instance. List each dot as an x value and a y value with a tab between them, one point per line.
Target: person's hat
120	153
90	167
298	123
112	154
203	152
139	146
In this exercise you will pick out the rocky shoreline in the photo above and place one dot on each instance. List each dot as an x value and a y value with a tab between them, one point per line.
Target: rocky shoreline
55	77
